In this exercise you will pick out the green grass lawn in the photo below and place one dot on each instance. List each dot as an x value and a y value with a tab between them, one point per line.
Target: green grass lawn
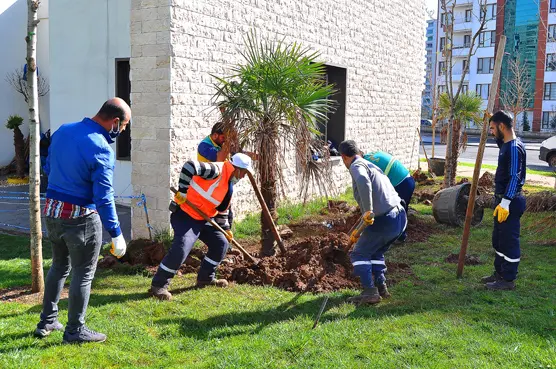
433	320
493	168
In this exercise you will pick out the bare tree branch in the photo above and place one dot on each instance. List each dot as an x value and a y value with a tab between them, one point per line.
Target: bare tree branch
17	80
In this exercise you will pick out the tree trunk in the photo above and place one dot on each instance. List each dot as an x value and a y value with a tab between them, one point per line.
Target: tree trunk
19	145
268	171
37	278
449	169
456	138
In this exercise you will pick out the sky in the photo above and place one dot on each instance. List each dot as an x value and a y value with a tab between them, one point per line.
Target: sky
430	4
5	4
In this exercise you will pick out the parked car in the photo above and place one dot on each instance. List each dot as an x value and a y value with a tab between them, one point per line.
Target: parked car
426	122
548	151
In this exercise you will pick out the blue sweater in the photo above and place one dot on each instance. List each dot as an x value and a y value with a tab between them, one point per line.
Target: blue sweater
80	168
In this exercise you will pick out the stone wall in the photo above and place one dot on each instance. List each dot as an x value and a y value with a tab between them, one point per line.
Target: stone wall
178	44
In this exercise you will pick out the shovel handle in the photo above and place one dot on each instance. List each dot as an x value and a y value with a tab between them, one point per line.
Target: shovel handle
215	225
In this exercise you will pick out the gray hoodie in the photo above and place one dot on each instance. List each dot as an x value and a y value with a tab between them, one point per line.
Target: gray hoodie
371	188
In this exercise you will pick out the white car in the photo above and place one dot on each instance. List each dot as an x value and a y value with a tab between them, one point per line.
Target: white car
548	151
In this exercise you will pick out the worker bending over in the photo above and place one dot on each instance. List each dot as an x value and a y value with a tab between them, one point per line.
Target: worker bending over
209	187
373	192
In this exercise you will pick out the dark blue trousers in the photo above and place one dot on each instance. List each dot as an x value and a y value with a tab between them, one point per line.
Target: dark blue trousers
405	192
186	232
505	240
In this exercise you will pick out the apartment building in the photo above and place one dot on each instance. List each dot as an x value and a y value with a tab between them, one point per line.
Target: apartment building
530	28
430	73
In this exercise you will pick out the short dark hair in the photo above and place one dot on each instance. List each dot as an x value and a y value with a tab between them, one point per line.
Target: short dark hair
110	110
349	148
503	117
217	128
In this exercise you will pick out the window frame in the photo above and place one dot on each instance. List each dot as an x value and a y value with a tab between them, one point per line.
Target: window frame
552	62
127	133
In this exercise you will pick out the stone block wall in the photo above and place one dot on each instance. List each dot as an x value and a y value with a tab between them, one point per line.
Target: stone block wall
178	44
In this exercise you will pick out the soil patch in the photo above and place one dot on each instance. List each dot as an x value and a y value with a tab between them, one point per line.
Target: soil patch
23	295
541	201
424	195
422	178
469	259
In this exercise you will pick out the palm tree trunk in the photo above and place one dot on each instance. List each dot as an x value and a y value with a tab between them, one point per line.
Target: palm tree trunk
268	171
37	277
456	138
19	145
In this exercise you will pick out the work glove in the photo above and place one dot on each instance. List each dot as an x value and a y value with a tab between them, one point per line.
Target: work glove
502	211
118	246
179	198
229	235
369	217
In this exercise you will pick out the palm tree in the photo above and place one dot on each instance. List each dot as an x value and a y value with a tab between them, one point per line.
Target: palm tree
467	108
274	102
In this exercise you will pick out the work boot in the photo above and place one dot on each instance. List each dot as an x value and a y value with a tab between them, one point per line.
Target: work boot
369	296
491	278
501	285
222	283
383	291
160	293
44	329
83	335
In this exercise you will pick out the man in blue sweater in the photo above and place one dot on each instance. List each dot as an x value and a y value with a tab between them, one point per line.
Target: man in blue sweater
79	201
510	203
373	192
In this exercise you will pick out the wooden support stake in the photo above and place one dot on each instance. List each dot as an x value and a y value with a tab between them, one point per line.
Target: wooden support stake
479	160
426	156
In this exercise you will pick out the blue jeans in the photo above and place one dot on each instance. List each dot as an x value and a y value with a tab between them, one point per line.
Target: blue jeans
367	256
505	240
186	232
76	244
405	192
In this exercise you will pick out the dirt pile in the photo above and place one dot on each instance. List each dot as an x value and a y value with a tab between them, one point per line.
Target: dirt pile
422	178
541	201
469	259
139	252
486	183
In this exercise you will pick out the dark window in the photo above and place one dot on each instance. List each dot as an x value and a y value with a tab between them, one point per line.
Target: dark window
123	91
551	62
442	19
468	13
464	89
466	40
487	39
335	129
483	90
552	33
442	43
485	65
489	12
441	68
553	6
550	91
548	120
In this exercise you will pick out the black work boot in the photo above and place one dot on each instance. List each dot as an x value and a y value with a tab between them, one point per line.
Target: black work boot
222	283
501	285
491	278
84	335
44	329
369	296
160	293
383	291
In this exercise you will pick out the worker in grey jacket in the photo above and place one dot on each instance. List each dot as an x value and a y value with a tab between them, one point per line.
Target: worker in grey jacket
373	192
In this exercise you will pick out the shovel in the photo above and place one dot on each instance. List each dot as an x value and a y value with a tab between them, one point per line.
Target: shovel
215	225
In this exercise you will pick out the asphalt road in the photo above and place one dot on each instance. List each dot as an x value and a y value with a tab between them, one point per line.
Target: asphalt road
490	155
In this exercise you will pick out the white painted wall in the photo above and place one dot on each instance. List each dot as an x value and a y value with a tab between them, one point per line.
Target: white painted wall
13	26
85	38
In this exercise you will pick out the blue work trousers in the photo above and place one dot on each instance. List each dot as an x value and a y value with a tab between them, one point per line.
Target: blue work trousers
505	240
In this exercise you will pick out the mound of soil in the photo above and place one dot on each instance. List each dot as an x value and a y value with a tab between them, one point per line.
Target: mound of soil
541	201
422	178
486	182
424	195
469	259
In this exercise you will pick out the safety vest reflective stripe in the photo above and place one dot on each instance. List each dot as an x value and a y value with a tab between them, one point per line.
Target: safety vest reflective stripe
356	263
378	262
210	261
207	195
389	166
507	258
164	267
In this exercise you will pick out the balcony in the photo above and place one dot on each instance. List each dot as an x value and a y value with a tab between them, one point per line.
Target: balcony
464	3
462	25
457	75
458	51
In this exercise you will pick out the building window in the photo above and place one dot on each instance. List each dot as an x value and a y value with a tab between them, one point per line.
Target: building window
441	89
489	12
487	39
468	13
553	6
466	40
441	68
464	89
485	65
552	33
442	43
443	18
123	91
551	62
548	120
482	90
550	91
334	130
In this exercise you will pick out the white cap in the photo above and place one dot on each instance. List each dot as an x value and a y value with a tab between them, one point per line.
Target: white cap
242	161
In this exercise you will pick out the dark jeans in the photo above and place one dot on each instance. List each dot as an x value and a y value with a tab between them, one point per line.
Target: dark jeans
186	232
76	244
405	192
505	240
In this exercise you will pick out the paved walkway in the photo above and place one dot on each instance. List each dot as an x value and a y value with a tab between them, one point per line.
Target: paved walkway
14	213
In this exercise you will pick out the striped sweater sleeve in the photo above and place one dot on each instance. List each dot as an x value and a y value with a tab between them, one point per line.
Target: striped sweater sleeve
196	168
515	165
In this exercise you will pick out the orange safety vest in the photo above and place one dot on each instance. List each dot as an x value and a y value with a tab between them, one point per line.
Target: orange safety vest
207	194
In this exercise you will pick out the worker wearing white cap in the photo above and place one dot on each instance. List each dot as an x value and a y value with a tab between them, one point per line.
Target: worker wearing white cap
209	187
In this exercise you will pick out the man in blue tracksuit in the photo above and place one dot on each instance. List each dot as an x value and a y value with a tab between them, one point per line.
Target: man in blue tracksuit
509	201
373	192
79	201
397	173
